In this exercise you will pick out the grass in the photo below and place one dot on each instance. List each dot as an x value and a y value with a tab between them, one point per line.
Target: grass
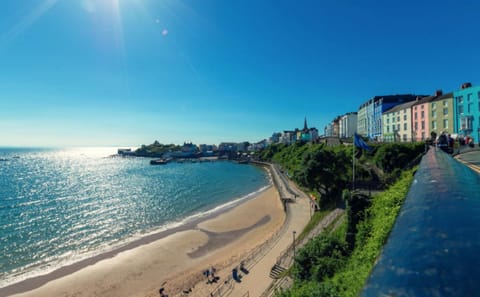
373	234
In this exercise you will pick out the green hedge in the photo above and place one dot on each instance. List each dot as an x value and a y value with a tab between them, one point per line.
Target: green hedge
351	271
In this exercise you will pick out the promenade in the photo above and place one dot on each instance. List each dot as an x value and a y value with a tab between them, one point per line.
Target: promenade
298	211
278	250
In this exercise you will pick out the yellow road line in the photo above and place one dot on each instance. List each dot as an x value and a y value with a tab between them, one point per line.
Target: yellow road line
473	166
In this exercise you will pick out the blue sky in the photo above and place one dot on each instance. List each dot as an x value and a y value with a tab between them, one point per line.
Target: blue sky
128	72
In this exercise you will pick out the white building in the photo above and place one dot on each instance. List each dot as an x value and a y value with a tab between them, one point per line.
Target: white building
348	125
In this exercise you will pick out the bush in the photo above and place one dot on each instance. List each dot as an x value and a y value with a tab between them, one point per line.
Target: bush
320	258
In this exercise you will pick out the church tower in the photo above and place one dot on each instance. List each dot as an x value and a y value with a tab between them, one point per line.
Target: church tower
305	127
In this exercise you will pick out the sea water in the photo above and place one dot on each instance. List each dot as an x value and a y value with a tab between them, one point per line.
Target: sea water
58	206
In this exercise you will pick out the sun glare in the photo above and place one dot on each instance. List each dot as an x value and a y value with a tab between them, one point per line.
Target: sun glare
27	21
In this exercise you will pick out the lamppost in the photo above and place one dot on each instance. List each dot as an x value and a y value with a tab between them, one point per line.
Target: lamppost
294	245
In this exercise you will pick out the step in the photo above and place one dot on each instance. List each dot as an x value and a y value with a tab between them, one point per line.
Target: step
276	271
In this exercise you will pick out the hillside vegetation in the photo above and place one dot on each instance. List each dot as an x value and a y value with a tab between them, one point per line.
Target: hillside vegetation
327	171
338	264
326	266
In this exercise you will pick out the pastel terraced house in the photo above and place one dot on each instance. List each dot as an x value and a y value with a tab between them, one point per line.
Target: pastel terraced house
421	117
397	123
442	115
467	111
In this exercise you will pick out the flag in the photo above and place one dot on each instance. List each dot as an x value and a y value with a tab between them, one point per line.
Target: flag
360	143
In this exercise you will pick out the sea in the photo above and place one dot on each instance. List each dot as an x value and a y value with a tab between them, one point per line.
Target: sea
60	206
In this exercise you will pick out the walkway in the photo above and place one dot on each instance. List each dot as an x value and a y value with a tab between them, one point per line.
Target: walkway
258	280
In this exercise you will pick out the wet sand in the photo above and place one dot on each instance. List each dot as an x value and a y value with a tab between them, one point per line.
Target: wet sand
174	259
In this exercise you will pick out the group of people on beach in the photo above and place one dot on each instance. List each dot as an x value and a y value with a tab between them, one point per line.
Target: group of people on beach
210	274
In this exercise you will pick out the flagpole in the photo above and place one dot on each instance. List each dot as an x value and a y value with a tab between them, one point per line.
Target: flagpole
353	162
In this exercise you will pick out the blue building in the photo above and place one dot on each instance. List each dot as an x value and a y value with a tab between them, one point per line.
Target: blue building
466	103
369	119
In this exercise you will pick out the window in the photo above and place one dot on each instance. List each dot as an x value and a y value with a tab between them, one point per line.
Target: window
416	126
460	99
422	114
398	119
445	103
478	95
388	129
405	116
415	116
388	121
423	125
423	135
445	111
434	105
398	127
469	97
393	120
434	113
460	108
434	125
404	137
445	124
466	123
404	126
422	106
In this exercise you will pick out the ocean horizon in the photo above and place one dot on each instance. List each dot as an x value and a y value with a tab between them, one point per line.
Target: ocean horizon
62	206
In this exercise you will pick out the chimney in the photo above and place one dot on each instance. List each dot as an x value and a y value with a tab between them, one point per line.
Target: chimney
418	98
466	85
438	93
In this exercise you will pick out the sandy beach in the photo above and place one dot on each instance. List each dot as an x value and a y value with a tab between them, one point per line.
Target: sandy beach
173	261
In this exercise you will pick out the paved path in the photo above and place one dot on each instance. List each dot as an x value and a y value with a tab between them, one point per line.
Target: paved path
258	280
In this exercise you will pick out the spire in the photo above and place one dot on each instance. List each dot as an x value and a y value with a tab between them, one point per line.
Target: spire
305	127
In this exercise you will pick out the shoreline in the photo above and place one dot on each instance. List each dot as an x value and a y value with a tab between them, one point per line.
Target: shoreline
35	283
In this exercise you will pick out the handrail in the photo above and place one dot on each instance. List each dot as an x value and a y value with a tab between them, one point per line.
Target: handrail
432	249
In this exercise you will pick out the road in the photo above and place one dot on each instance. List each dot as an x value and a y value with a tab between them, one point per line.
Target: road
471	159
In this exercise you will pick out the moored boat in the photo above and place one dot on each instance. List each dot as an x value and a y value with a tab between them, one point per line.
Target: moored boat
159	162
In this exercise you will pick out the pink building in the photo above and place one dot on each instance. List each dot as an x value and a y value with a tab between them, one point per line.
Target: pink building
421	117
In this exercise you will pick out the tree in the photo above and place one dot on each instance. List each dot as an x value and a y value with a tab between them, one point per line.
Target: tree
356	204
324	170
320	258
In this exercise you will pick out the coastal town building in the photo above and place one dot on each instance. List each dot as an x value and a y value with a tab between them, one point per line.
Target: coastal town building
288	137
208	149
275	138
400	118
258	146
306	134
442	115
467	111
291	136
397	123
348	125
369	115
333	128
328	130
421	116
362	120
